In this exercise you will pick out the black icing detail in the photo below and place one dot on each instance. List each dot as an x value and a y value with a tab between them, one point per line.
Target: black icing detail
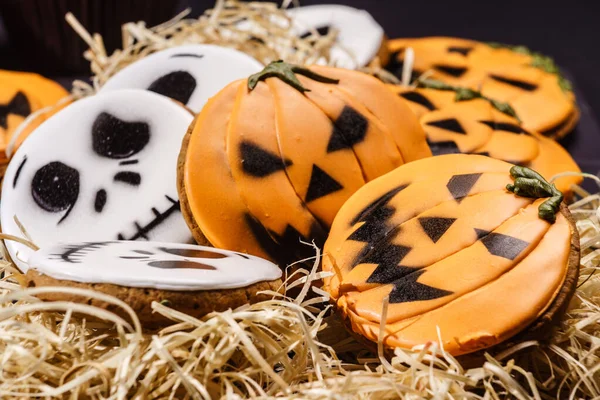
55	188
456	72
278	246
396	64
407	289
100	200
460	50
460	185
144	252
349	129
18	105
172	264
529	87
382	201
436	227
186	55
192	253
418	98
159	218
374	227
117	139
321	30
388	260
321	185
445	147
450	124
128	162
178	85
260	163
504	126
503	245
128	177
481	233
73	253
18	173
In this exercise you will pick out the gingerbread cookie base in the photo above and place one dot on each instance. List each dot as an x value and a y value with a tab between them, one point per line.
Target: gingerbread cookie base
194	303
185	207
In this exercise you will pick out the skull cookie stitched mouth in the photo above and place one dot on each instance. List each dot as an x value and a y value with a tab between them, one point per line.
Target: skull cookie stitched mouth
141	232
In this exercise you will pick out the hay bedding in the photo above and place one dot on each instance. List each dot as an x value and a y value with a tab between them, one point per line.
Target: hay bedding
285	347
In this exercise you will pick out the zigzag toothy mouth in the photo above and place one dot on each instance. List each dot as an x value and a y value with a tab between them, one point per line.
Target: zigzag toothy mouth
141	232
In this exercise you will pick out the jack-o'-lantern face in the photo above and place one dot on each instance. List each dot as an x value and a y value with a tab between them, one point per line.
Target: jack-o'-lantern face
450	248
476	126
542	99
268	167
22	94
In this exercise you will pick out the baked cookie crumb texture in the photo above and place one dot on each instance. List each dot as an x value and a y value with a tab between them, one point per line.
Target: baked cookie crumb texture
189	278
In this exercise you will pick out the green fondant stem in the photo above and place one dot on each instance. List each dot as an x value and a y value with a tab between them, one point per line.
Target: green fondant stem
287	73
529	183
463	94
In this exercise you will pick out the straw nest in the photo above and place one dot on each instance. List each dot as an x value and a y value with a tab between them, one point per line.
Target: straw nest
287	347
284	347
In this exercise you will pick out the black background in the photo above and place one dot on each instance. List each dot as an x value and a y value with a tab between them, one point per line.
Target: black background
569	31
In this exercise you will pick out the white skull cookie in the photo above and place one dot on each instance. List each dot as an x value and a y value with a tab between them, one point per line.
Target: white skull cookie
190	74
104	168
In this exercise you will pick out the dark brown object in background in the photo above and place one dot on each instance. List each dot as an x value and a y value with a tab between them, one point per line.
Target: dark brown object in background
48	44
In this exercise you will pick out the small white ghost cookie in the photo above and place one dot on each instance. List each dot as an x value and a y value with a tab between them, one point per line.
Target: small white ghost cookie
157	265
360	37
192	279
103	168
190	74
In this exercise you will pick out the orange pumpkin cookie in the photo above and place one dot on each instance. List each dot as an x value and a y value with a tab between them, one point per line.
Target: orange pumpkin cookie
464	121
529	81
271	159
22	94
455	252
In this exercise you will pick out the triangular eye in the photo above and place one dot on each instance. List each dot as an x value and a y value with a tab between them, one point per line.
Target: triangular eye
115	138
529	87
456	72
418	98
178	85
460	50
18	105
450	124
259	162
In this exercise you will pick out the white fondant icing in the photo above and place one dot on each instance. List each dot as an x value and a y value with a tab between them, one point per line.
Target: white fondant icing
55	204
165	266
211	67
359	36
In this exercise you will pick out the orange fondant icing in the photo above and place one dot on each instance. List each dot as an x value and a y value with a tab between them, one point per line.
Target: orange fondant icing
499	73
268	167
477	127
462	264
22	94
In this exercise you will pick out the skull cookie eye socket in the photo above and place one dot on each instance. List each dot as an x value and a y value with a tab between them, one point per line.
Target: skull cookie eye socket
192	253
178	85
117	139
55	187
